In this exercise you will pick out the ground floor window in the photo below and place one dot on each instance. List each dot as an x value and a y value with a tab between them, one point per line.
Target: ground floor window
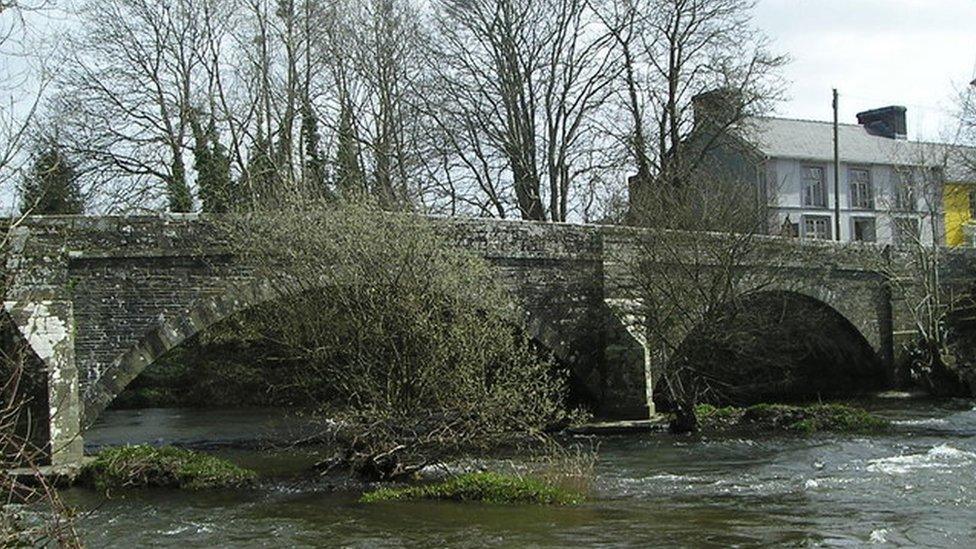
864	229
817	227
907	230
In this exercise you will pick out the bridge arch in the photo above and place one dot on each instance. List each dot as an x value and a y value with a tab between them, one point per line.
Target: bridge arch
813	348
208	311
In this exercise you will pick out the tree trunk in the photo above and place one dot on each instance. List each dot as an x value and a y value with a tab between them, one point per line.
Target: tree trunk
685	420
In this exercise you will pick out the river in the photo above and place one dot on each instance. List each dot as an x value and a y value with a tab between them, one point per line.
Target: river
915	486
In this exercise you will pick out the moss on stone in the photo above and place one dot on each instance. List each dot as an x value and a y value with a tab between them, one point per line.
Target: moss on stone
145	466
835	418
481	487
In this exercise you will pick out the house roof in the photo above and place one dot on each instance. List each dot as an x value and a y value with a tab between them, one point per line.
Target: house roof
814	140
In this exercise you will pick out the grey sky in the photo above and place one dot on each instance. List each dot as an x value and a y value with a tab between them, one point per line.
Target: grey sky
915	53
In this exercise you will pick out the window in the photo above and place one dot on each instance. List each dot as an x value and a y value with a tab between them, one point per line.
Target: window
862	195
817	227
972	202
907	230
864	229
905	200
814	187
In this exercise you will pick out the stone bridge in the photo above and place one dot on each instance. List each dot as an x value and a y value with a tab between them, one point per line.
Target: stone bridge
98	299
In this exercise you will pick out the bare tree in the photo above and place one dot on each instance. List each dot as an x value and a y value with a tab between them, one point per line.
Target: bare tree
967	126
523	82
24	77
133	77
390	78
31	513
672	52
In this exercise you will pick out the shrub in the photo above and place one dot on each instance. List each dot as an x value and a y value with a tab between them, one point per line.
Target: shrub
481	487
406	339
145	466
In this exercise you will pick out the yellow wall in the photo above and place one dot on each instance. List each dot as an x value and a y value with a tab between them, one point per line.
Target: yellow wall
956	198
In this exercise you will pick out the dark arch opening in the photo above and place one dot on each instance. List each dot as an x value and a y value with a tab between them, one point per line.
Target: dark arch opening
225	364
778	345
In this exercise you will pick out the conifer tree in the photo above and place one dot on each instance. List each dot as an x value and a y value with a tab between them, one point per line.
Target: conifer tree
349	173
177	190
260	179
212	165
315	180
51	187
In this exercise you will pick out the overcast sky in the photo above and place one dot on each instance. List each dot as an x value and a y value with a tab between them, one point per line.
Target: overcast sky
916	53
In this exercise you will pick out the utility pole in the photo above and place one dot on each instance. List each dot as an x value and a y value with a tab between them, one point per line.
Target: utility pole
836	170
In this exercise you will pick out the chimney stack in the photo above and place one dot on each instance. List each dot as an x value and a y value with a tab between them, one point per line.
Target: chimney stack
885	122
719	106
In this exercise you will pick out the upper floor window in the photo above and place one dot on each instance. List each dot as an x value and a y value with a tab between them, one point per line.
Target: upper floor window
905	198
814	186
862	195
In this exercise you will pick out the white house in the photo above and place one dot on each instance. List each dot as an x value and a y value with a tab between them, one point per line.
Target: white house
890	188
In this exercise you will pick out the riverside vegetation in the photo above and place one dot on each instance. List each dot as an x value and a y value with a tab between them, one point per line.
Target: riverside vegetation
167	467
483	487
834	418
404	345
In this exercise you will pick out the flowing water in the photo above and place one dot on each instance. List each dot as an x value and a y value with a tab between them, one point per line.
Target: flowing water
915	487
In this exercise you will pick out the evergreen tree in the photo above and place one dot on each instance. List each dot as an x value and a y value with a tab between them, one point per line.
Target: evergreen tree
212	165
260	176
220	172
51	187
349	173
314	165
177	190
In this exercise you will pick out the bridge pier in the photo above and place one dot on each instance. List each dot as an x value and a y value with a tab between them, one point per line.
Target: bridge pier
630	363
48	327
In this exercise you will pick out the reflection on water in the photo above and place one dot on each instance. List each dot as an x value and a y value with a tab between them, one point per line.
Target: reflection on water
914	487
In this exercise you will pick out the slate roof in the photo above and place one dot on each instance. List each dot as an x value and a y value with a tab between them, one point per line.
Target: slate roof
814	140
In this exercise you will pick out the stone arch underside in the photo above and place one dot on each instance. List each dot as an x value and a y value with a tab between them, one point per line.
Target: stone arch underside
205	312
820	324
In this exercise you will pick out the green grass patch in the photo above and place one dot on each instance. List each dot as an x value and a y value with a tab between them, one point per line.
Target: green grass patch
833	418
145	466
715	414
481	487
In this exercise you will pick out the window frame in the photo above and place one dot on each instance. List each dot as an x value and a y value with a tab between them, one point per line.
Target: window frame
860	218
869	188
828	224
906	197
823	187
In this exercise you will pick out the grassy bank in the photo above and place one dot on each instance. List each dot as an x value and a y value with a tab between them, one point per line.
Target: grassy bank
834	418
168	467
481	487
